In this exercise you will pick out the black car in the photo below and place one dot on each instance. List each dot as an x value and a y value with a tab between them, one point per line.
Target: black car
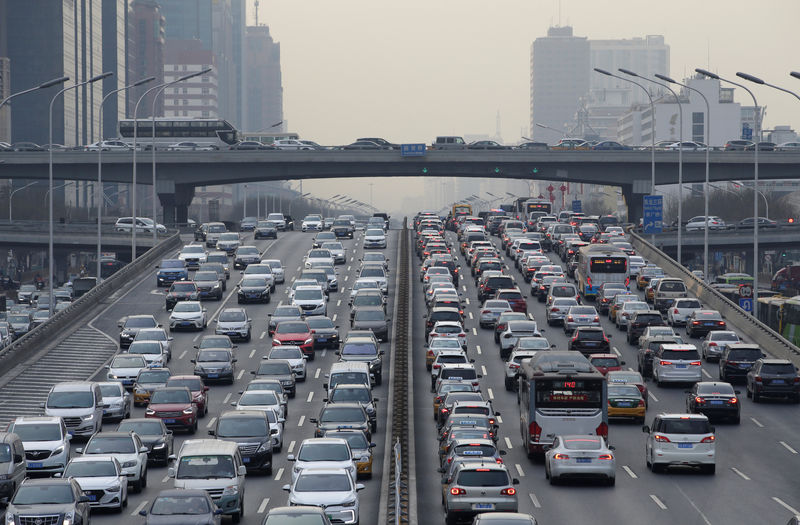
590	340
324	332
265	230
38	501
763	222
250	430
181	291
700	322
181	506
714	399
253	290
154	435
641	320
773	378
737	360
248	224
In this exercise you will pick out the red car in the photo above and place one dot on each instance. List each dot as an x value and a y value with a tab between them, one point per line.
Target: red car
514	297
173	406
295	333
198	389
606	363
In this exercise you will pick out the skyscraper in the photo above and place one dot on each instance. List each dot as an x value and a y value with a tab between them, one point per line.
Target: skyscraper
147	40
196	97
5	76
115	58
264	89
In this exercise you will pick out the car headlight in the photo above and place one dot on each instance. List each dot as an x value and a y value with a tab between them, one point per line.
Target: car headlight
159	446
9	518
215	287
265	447
198	370
88	417
57	451
230	490
129	464
363	459
149	412
114	488
309	341
188	411
276	342
69	518
111	377
370	410
351	503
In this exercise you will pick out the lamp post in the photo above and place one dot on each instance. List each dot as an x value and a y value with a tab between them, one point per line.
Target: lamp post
99	191
57	187
652	133
680	153
11	195
50	174
161	89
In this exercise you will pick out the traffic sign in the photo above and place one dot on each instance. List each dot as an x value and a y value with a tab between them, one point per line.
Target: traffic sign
577	206
746	304
747	132
745	291
412	150
653	213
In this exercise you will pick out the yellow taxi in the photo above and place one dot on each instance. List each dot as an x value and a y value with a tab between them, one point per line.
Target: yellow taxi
360	446
148	380
626	401
646	274
650	290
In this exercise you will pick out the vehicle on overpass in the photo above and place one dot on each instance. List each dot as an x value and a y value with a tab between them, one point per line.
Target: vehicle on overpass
599	264
169	130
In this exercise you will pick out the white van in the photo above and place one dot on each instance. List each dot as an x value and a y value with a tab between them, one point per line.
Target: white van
348	372
215	466
80	404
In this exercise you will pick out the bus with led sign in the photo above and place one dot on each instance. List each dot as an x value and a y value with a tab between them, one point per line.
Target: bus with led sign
598	264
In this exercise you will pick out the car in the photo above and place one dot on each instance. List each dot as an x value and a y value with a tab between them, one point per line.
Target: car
279	369
472	486
228	242
143	225
294	355
376	273
235	323
363	346
372	318
181	291
175	407
341	415
102	480
209	285
374	238
356	393
253	289
263	271
624	311
436	345
188	314
449	329
265	230
676	363
277	269
700	322
590	340
628	377
699	223
323	453
580	316
681	309
193	255
647	351
714	399
311	299
274	385
46	442
172	506
332	489
245	255
626	401
324	332
581	457
125	368
127	448
171	270
196	386
252	432
152	351
35	498
130	325
605	363
312	223
284	312
773	378
337	251
153	434
262	400
640	321
295	333
118	399
748	223
491	310
680	440
470	448
715	343
247	145
214	364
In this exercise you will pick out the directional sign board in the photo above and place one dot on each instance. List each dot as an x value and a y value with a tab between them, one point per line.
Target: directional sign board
653	213
577	206
412	150
746	304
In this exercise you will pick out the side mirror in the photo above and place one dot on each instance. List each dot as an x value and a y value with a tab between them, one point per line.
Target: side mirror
171	470
609	336
313	420
273	431
287	488
79	450
622	362
142	512
212	433
737	392
359	486
325	385
234	360
193	361
645	429
515	481
205	389
241	471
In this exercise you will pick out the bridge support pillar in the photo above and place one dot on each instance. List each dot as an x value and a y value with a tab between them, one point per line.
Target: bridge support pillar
175	200
634	199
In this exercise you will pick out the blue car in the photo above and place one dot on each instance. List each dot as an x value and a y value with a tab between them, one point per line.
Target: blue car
171	270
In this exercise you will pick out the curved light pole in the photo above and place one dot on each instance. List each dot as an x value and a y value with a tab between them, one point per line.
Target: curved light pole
652	134
680	154
12	195
99	191
50	174
708	152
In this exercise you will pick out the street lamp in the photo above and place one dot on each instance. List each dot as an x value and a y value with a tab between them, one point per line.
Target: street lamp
652	134
50	171
757	80
540	125
57	187
99	191
680	153
161	89
11	195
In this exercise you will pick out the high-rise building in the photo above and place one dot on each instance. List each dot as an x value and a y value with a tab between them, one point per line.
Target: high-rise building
147	40
115	58
5	76
196	97
264	89
560	69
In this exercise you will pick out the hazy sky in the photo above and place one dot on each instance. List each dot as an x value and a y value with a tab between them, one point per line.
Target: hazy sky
413	69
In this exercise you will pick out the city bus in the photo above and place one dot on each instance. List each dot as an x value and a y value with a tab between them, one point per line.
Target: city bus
555	399
215	132
542	205
268	138
782	314
598	264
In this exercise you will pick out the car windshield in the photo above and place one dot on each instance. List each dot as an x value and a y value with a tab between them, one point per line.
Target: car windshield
180	505
233	427
232	316
590	335
345	414
682	354
483	478
171	263
206	467
169	396
193	384
287	352
448	329
229	237
216	342
258	398
212	355
145	347
369	315
273	369
444	343
151	335
70	400
187	306
533	343
308	295
622	390
206	276
322	483
624	377
778	368
257	269
140	322
90	469
254	282
359	349
723	336
291	328
315	323
155	376
111	445
275	217
372	272
687	303
685	426
582	310
143	428
37	431
114	390
715	388
19	319
458	373
670	286
360	395
44	494
182	287
323	452
128	361
604	361
368	300
194	249
247	250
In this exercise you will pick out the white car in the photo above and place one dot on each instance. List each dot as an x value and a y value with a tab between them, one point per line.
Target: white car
152	351
263	271
188	314
375	257
332	489
716	342
311	299
338	251
125	447
376	273
156	334
363	284
680	439
277	220
299	283
277	269
295	356
193	255
312	223
108	145
228	242
513	363
124	368
252	399
580	456
374	238
323	452
681	309
191	146
118	399
318	255
143	225
101	479
626	312
292	144
46	435
635	263
698	223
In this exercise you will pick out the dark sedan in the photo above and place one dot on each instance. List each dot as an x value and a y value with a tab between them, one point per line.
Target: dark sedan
154	435
610	145
485	144
763	222
714	399
265	230
182	507
251	145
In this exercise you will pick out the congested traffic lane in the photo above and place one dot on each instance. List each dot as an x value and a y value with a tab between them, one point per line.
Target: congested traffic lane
262	491
750	458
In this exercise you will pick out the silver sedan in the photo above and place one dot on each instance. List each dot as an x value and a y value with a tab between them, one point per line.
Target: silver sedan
491	310
580	456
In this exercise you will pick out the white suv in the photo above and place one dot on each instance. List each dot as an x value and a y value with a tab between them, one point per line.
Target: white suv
312	222
311	299
681	309
680	439
46	443
323	453
125	447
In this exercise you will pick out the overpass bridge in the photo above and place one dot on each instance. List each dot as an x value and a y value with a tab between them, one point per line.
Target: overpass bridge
178	173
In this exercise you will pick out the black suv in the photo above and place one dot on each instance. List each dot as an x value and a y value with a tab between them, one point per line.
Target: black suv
490	286
250	430
736	361
590	340
40	500
773	377
641	320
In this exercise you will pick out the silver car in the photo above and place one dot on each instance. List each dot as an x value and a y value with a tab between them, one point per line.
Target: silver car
338	251
580	316
473	486
491	310
680	439
234	323
187	314
332	489
101	479
580	456
294	355
124	368
678	363
556	311
715	343
118	399
323	452
277	269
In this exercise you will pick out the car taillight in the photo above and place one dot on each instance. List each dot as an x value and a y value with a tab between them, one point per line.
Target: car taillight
596	318
757	379
499	461
712	343
570	318
515	365
605	456
695	322
575	337
437	367
641	403
675	311
721	323
491	421
708	439
797	379
510	491
433	334
561	456
696	363
661	439
455	491
733	401
665	363
554	309
486	311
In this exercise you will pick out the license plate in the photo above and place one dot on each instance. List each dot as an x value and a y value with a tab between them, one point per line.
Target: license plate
744	365
213	376
483	506
716	402
684	445
92	497
322	339
245	460
708	324
167	421
584	460
106	412
36	464
680	366
624	404
778	382
185	323
233	333
590	344
127	381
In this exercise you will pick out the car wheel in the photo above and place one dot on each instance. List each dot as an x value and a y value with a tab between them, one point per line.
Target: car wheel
247	337
194	427
509	384
611	481
710	469
137	486
553	480
747	391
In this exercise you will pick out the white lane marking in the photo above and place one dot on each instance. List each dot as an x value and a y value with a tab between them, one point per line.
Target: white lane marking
196	338
470	315
757	422
483	370
658	502
291	447
464	287
740	473
348	267
653	397
252	353
339	302
508	443
535	500
466	301
227	398
182	354
617	351
316	374
279	474
474	332
478	348
627	469
280	303
211	422
310	397
695	507
298	268
301	421
787	447
240	374
706	373
263	334
499	420
263	506
353	258
346	277
165	479
143	505
530	316
519	470
324	353
785	505
334	317
490	392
